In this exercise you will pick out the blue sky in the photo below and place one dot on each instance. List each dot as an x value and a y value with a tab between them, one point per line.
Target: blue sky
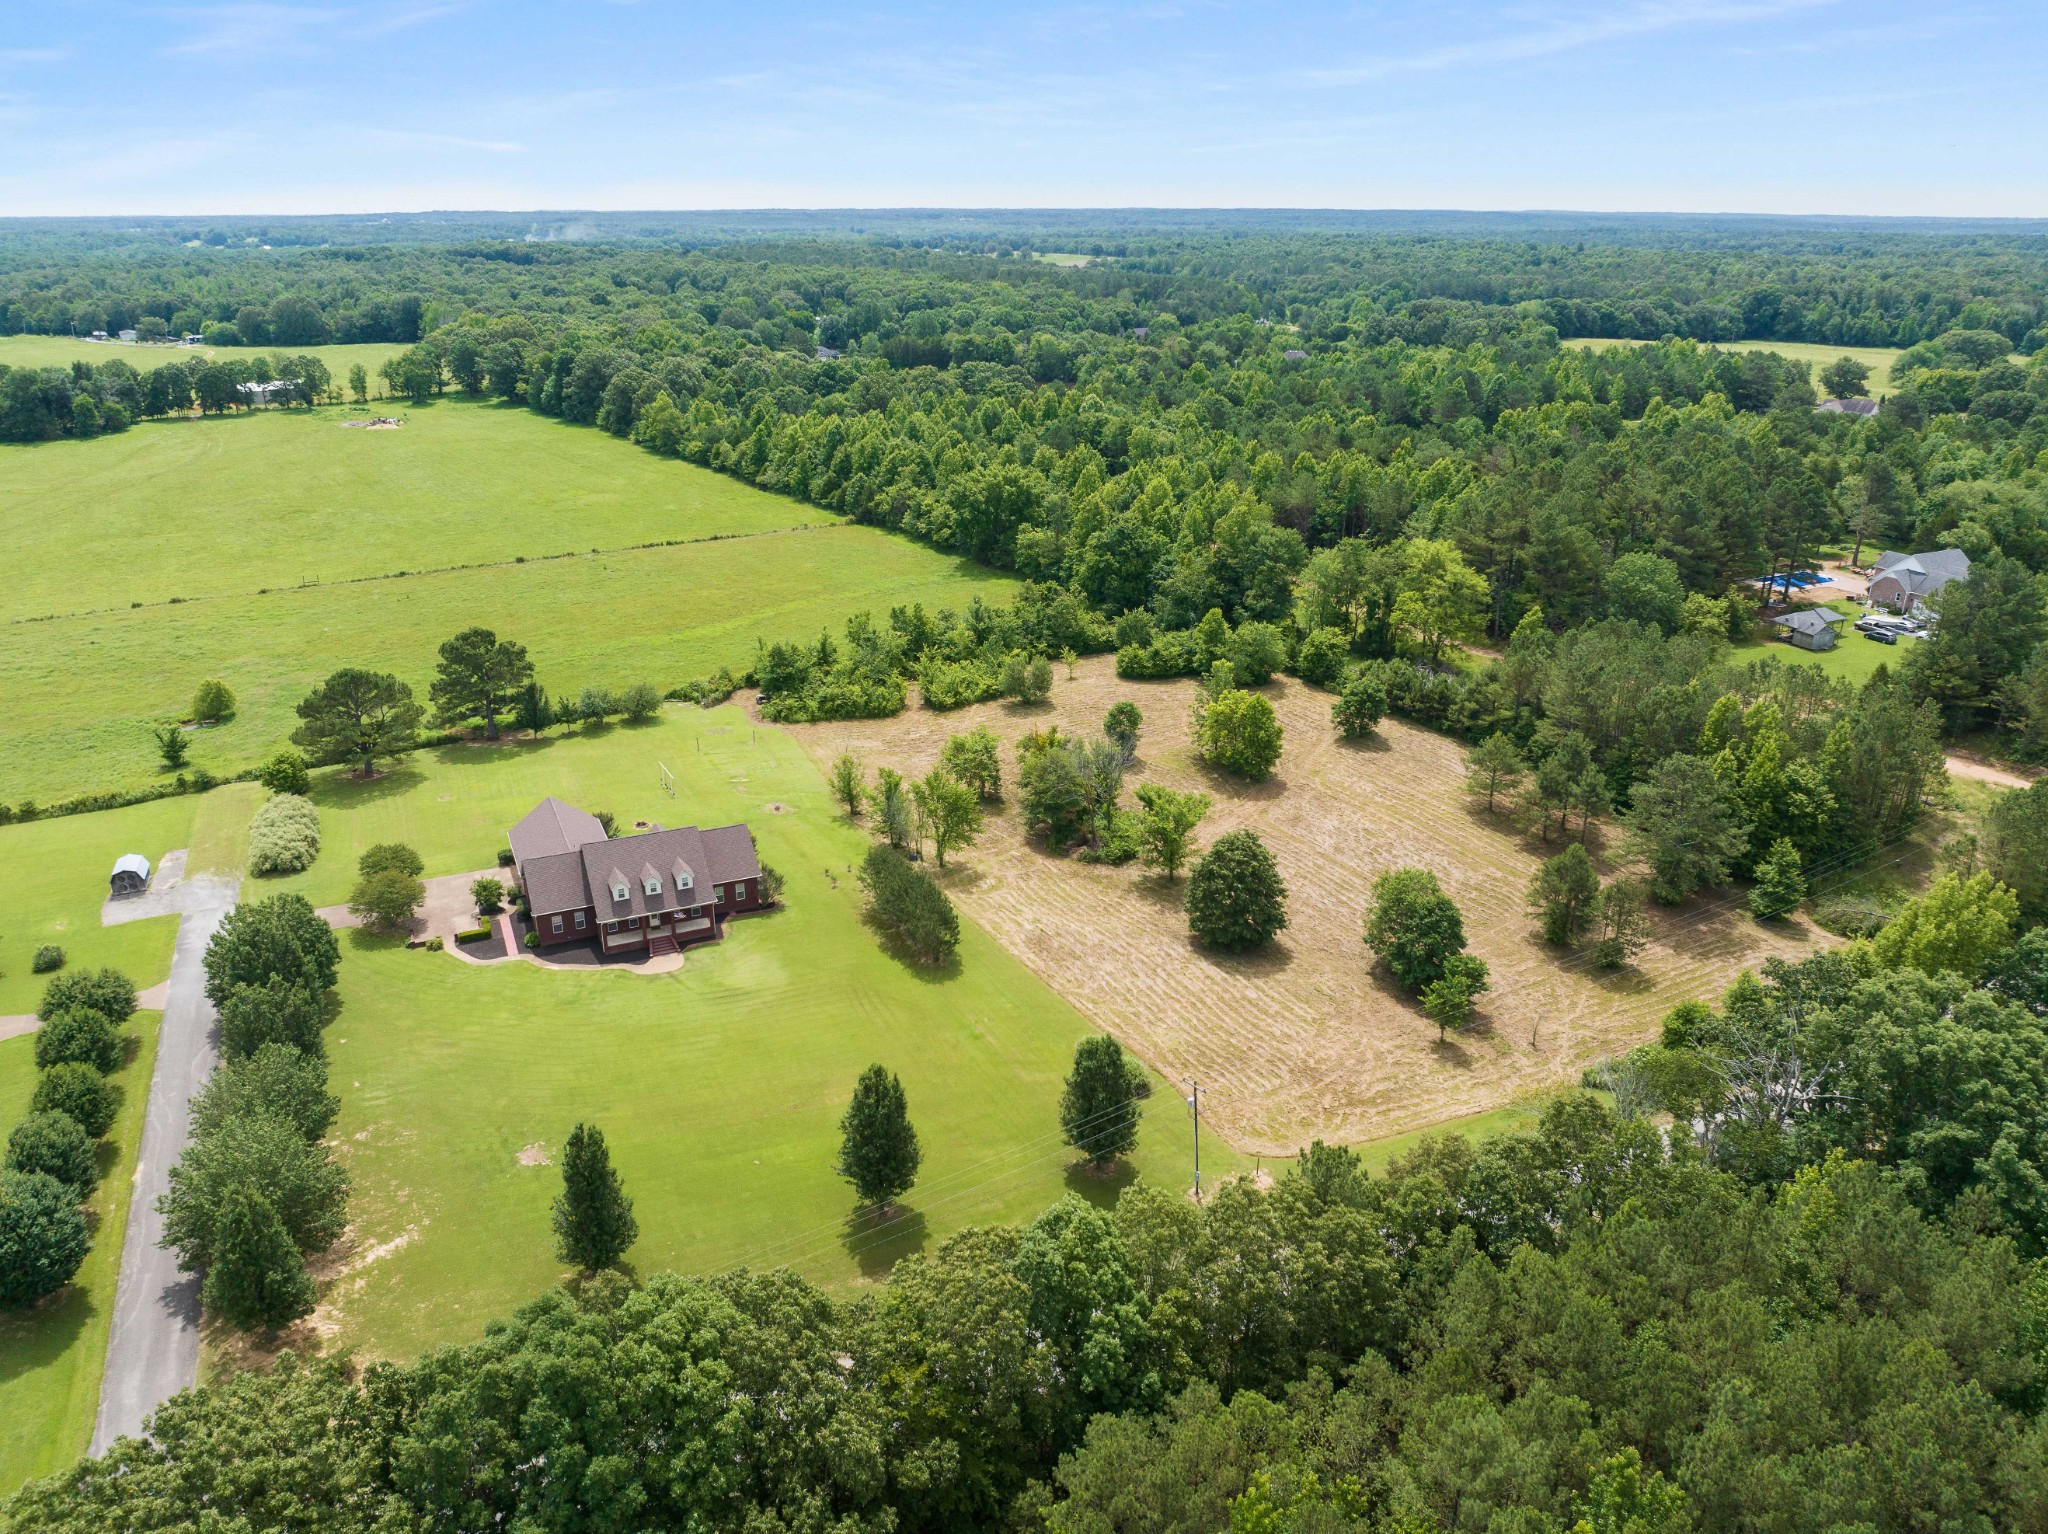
1789	106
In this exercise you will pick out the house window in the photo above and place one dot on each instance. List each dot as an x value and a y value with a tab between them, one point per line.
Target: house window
558	923
739	890
632	921
582	920
718	894
654	886
621	892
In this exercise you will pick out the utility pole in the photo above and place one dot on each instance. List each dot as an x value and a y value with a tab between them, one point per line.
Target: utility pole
1195	1102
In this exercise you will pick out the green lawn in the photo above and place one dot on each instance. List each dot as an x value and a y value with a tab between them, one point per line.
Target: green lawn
1853	659
1878	359
51	1357
53	880
461	483
719	1087
201	508
62	351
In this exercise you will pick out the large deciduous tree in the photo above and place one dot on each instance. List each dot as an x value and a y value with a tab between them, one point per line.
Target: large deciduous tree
1413	926
43	1236
257	1277
281	939
256	1150
358	716
1236	898
479	677
1166	825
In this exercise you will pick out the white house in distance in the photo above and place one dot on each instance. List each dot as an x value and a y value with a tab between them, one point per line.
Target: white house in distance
1904	580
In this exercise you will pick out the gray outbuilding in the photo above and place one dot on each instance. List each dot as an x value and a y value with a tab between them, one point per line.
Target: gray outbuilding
130	876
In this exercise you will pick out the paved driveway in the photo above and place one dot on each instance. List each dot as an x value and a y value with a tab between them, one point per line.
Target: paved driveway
153	1349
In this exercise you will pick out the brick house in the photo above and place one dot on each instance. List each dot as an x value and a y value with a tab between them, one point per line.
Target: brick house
655	891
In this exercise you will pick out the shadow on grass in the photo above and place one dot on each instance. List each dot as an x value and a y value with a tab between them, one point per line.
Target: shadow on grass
1267	959
370	940
1100	1186
879	1238
36	1338
458	753
892	945
1372	744
345	790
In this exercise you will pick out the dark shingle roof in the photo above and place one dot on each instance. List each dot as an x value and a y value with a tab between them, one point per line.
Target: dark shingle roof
553	828
568	881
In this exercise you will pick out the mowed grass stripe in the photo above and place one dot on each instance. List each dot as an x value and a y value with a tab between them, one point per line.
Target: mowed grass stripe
78	696
195	508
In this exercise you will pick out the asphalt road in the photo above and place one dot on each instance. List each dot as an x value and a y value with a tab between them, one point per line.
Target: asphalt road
153	1348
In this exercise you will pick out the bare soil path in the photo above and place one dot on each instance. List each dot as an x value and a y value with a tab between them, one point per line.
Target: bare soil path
1307	1040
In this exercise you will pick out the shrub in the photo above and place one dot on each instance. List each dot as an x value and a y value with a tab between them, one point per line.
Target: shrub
43	1236
489	895
49	957
390	857
435	945
1122	724
86	1037
212	703
284	836
507	858
771	886
1255	651
640	702
1851	915
468	935
1361	705
285	773
75	1088
1240	733
55	1144
1235	895
1322	657
904	902
106	991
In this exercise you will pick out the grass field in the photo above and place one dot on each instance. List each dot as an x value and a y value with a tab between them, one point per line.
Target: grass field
460	483
51	1357
1854	658
1307	1040
1878	359
53	880
204	508
719	1087
62	351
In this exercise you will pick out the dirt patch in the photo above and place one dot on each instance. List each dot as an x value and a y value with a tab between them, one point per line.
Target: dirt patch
1977	770
777	807
1305	1040
535	1154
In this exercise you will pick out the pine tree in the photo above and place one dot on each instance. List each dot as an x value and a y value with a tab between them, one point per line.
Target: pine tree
879	1154
256	1278
1494	768
593	1218
1779	886
1099	1109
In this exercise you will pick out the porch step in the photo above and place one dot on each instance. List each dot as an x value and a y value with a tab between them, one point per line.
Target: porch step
661	943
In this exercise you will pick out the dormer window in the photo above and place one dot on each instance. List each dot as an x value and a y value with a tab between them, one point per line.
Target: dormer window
654	884
621	890
685	879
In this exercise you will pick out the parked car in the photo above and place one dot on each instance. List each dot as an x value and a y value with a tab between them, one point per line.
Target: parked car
1883	636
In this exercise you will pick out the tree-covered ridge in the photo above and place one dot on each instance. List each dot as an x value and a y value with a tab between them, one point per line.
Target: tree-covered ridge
1832	281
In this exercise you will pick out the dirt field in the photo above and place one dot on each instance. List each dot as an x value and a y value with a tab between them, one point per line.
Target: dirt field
1307	1040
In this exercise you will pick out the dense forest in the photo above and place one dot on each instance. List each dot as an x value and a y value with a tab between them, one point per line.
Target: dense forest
1817	1300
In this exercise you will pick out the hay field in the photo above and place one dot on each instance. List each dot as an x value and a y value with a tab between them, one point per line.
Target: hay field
1306	1040
1878	359
62	351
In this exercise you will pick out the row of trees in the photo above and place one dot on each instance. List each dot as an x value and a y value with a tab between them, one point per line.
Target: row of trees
256	1189
52	1164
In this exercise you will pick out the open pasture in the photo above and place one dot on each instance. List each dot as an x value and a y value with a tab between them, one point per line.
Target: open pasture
276	498
719	1086
1878	359
62	351
1306	1040
458	485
